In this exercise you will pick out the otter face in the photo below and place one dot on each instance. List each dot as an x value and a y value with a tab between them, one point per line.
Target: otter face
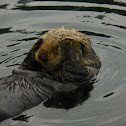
53	55
48	55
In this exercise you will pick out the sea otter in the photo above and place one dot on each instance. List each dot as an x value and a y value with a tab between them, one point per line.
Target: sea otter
61	61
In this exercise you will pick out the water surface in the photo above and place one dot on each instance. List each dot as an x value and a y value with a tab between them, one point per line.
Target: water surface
22	22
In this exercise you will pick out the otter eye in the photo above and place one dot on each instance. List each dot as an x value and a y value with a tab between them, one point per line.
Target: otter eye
43	57
37	45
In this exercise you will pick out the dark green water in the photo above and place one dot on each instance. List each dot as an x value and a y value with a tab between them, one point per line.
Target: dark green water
22	22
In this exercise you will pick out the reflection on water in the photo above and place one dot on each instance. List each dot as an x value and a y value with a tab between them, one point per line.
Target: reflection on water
69	6
24	21
71	99
22	118
95	34
108	95
4	30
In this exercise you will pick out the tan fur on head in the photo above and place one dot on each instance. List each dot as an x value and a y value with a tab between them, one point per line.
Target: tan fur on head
51	42
51	45
59	34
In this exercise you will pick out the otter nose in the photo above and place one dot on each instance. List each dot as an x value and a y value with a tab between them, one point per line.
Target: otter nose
43	57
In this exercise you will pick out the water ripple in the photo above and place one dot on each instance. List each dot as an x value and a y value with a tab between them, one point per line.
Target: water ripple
24	21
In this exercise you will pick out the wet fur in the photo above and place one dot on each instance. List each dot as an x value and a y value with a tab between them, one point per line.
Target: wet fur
69	51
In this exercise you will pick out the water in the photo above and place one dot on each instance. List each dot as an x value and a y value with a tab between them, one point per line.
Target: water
22	22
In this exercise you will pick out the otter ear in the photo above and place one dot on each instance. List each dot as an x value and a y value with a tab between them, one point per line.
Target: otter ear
37	44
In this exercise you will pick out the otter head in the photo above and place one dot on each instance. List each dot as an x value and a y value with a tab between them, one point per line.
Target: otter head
52	56
64	53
